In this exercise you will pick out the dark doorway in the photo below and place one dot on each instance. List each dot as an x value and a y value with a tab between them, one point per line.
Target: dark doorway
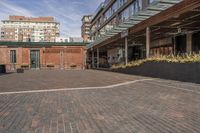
35	59
181	44
136	53
196	42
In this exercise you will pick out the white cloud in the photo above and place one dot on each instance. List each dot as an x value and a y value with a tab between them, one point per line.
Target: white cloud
8	8
67	12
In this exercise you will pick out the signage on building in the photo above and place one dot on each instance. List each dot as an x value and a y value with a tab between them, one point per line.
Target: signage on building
124	33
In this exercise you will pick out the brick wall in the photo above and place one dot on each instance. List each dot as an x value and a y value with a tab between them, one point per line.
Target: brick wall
62	57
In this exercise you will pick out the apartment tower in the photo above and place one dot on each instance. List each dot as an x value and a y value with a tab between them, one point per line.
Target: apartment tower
29	29
85	29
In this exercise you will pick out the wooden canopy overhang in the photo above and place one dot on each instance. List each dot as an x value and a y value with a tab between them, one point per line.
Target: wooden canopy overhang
181	18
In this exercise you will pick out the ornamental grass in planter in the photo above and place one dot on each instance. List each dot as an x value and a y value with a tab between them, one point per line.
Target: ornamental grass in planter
181	58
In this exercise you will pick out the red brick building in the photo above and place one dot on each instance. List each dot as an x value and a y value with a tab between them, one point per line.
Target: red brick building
42	55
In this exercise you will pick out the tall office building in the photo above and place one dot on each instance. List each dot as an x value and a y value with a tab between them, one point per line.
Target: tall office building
85	29
29	29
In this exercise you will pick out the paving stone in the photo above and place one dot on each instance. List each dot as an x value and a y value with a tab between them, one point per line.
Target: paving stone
156	106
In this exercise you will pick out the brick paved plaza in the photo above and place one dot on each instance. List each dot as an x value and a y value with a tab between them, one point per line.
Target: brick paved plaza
96	102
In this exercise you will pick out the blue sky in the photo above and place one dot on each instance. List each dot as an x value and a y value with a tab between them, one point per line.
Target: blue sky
67	12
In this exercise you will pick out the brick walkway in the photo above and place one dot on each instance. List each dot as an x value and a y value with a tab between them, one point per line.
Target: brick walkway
154	106
37	80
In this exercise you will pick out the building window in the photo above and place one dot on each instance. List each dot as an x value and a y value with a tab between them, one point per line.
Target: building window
124	15
150	1
137	6
13	58
114	7
121	2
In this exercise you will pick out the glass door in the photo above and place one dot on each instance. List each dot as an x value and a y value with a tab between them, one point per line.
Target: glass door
35	59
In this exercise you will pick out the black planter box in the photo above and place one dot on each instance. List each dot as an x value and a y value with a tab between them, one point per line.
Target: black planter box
187	72
20	70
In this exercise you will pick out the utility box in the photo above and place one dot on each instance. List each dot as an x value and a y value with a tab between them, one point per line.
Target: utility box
20	70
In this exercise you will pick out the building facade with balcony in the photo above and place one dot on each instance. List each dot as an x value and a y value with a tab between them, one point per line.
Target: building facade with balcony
85	28
28	29
126	30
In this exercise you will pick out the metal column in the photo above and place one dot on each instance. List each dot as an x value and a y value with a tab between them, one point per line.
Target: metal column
97	57
126	50
174	48
147	42
189	43
93	66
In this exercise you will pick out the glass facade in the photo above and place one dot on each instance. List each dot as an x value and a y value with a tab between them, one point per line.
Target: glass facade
124	15
120	17
116	5
150	1
131	10
121	2
111	24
